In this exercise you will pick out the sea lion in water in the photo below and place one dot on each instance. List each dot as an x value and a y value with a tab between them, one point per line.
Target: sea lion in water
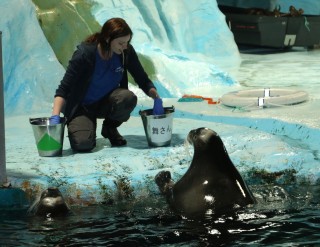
211	185
50	203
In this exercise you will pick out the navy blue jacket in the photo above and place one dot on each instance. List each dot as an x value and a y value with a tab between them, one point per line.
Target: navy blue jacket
76	81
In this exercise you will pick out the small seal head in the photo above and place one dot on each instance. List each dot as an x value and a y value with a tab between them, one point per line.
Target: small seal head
50	203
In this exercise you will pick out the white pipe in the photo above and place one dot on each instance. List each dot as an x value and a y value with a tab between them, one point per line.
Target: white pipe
3	174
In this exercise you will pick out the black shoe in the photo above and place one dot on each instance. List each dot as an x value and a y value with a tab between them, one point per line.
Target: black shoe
114	136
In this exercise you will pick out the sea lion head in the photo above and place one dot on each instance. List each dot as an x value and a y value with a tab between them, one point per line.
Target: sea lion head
203	138
50	203
51	192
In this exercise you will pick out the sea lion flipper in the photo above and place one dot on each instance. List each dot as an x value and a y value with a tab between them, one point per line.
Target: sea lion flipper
164	181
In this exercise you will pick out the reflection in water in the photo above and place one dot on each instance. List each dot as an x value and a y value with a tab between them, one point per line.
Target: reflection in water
283	215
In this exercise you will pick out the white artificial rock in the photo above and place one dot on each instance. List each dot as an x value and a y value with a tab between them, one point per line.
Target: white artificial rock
31	70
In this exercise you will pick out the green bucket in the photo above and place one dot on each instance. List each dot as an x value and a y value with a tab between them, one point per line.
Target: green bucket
49	138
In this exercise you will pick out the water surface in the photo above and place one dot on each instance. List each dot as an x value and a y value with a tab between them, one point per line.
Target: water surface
284	216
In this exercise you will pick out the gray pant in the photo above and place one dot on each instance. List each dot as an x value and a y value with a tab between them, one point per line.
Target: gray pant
115	106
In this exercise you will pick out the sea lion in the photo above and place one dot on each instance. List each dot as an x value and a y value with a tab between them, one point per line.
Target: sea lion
50	203
211	185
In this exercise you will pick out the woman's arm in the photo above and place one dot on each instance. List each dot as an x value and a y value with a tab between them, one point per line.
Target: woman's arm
153	93
138	73
79	69
58	103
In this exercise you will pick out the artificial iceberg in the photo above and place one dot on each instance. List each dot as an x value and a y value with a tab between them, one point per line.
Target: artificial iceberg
188	43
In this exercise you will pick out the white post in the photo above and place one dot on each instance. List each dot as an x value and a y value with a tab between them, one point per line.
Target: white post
3	174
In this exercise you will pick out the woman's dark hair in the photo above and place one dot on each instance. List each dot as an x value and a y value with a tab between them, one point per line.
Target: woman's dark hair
111	29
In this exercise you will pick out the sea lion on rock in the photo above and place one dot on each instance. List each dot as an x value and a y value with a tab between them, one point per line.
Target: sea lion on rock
211	185
50	203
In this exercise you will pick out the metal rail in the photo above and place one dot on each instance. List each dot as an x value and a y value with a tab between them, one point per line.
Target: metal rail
3	173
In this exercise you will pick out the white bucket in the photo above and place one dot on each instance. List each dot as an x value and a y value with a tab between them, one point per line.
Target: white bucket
158	128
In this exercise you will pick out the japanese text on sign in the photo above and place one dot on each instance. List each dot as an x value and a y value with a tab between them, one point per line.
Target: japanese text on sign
161	129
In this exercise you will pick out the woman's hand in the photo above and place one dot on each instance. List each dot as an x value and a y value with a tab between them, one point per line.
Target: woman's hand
158	107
